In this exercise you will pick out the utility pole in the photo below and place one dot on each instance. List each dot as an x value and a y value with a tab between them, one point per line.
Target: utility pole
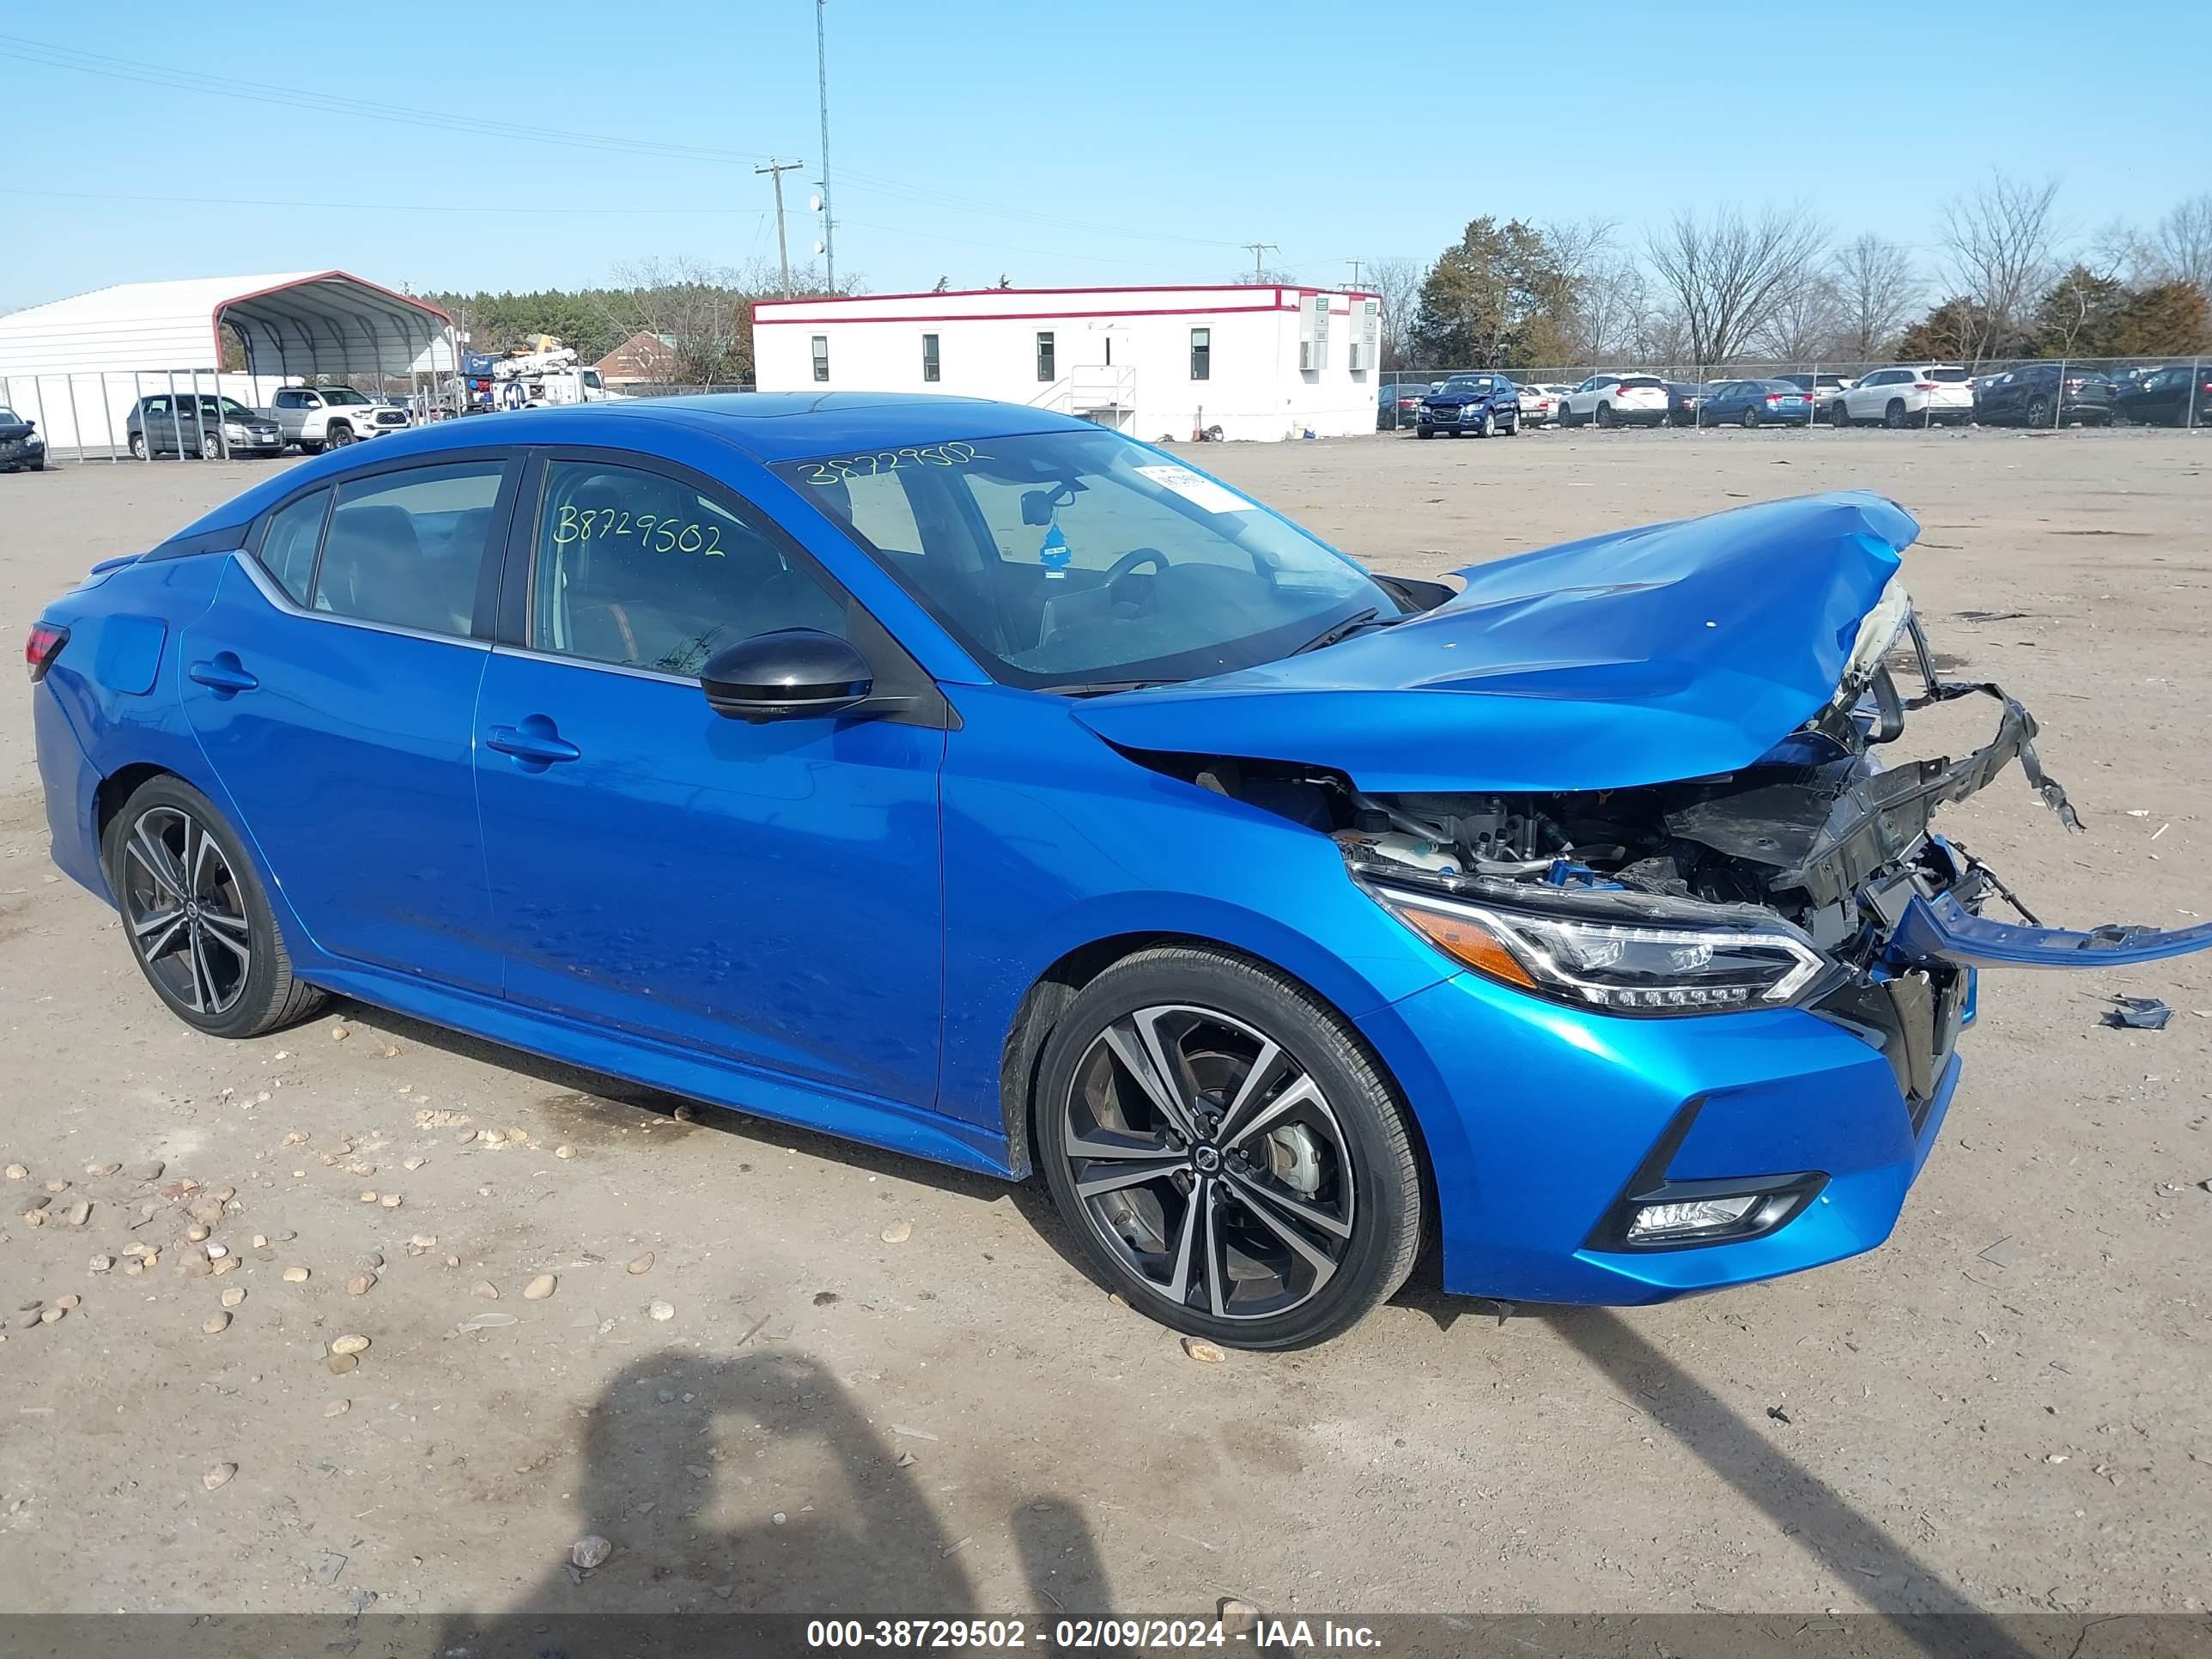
1259	249
776	170
821	90
1355	264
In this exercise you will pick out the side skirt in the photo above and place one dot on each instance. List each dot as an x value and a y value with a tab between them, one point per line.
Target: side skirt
864	1118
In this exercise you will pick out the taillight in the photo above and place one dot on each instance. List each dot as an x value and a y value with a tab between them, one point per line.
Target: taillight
1774	397
1924	386
44	645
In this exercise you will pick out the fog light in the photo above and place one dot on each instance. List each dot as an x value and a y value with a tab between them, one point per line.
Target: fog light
1702	1215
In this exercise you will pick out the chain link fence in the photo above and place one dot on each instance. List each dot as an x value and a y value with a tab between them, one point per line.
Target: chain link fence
2171	391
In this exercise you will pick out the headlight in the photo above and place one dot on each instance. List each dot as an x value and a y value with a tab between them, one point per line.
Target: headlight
232	430
1619	967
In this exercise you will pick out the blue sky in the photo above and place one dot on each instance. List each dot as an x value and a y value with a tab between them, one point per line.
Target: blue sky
1053	143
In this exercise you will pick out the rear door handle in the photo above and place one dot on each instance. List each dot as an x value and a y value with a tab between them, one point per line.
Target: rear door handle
224	673
536	740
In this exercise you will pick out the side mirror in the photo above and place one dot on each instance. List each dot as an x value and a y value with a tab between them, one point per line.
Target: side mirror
794	673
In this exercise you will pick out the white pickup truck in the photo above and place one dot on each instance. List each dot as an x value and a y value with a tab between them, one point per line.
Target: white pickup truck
317	417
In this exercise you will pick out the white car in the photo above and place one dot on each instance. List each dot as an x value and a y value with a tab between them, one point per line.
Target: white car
1913	394
1538	404
317	417
1616	400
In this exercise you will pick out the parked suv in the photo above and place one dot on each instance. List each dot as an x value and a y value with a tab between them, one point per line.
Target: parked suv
2033	395
316	417
1924	394
2179	396
210	428
1616	400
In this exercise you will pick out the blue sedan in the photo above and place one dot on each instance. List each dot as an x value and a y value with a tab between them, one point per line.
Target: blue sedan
979	783
1755	403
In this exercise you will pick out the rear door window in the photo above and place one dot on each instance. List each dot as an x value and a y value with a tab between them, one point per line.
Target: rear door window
289	543
406	548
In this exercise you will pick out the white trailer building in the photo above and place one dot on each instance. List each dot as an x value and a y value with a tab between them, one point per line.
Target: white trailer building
1250	362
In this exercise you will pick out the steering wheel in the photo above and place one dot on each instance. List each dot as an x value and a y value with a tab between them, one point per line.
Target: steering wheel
1128	563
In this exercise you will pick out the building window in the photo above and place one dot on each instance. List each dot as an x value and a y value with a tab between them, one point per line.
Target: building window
821	356
1202	354
1044	358
929	357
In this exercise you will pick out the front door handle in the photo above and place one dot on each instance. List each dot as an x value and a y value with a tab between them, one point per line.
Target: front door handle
222	674
535	741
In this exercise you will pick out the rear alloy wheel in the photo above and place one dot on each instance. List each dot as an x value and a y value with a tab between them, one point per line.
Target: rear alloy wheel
198	920
1750	416
210	445
139	446
1893	417
1605	416
2039	410
1226	1150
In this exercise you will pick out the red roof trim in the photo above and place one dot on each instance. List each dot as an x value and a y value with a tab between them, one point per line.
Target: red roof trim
1120	288
214	317
760	321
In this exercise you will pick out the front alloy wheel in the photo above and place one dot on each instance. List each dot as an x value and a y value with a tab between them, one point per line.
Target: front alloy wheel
1226	1150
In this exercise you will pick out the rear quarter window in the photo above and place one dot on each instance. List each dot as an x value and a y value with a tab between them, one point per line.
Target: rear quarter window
289	543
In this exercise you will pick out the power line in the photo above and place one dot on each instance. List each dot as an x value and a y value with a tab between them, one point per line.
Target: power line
776	170
369	207
1258	251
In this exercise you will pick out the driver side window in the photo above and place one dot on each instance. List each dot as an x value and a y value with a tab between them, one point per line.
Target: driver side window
636	569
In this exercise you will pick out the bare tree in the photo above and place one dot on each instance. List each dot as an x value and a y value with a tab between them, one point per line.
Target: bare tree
1397	283
1729	274
1601	299
695	308
2180	247
2000	238
1877	290
1805	324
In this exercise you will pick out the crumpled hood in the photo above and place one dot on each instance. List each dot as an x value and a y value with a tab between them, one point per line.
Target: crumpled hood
1645	656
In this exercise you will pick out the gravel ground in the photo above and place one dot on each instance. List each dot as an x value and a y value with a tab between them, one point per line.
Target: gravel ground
879	1384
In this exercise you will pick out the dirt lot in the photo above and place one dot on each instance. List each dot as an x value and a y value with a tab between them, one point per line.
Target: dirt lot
2006	1408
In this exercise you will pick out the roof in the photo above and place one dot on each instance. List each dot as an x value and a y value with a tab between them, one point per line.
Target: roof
297	322
644	356
767	428
1022	304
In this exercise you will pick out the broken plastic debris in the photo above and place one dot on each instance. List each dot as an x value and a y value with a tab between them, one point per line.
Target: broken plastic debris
484	1322
2137	1014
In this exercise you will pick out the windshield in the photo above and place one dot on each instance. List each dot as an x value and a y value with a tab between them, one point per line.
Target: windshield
8	416
1071	559
344	394
1474	383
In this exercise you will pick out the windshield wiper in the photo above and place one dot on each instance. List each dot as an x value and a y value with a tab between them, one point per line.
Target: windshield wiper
1099	688
1370	618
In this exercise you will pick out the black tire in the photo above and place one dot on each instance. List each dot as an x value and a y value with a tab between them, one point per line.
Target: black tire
1345	1146
237	979
306	448
1489	426
1424	432
2039	410
1838	416
211	446
1512	428
1893	417
337	435
1749	418
1605	417
138	449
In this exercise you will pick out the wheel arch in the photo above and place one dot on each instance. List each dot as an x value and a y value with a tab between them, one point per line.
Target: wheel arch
1048	998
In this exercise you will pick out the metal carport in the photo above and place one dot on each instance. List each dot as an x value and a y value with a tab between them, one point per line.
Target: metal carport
76	366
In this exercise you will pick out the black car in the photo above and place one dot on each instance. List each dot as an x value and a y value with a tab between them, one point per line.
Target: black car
19	446
1481	404
211	429
1683	401
2036	394
1400	405
2179	396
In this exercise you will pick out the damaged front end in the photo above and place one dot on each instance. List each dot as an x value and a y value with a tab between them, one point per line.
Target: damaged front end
1810	879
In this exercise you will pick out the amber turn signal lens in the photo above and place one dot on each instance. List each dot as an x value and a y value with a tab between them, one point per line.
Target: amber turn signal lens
1465	939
